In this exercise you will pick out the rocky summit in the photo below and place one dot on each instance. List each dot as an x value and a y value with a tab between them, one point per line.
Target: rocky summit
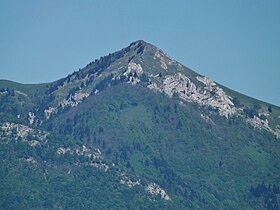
137	130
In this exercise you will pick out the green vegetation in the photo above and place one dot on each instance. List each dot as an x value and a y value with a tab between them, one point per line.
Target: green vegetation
154	139
200	162
29	89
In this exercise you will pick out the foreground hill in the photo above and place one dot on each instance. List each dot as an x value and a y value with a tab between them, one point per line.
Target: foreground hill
137	130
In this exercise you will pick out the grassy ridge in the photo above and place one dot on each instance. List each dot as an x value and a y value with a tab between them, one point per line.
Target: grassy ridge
29	89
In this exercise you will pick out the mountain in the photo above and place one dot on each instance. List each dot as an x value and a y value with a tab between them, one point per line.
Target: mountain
136	130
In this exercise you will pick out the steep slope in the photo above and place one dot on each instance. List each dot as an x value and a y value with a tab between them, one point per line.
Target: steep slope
141	129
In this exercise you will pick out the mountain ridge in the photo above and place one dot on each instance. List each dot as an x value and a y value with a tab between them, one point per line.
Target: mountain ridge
142	129
3	82
161	72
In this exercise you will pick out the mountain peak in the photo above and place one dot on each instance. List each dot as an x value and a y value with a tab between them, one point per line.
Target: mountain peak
142	129
144	64
140	45
142	42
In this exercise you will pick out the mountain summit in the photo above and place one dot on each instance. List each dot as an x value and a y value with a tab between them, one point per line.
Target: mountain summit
144	63
136	129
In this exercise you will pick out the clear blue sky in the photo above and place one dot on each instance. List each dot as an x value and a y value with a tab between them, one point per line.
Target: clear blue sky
234	42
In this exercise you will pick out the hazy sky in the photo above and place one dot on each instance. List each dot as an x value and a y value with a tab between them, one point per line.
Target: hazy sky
234	42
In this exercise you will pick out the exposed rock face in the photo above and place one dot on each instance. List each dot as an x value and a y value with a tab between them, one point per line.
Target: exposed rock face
209	95
180	84
133	72
49	111
127	181
133	67
74	99
155	189
94	155
256	122
216	97
13	131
